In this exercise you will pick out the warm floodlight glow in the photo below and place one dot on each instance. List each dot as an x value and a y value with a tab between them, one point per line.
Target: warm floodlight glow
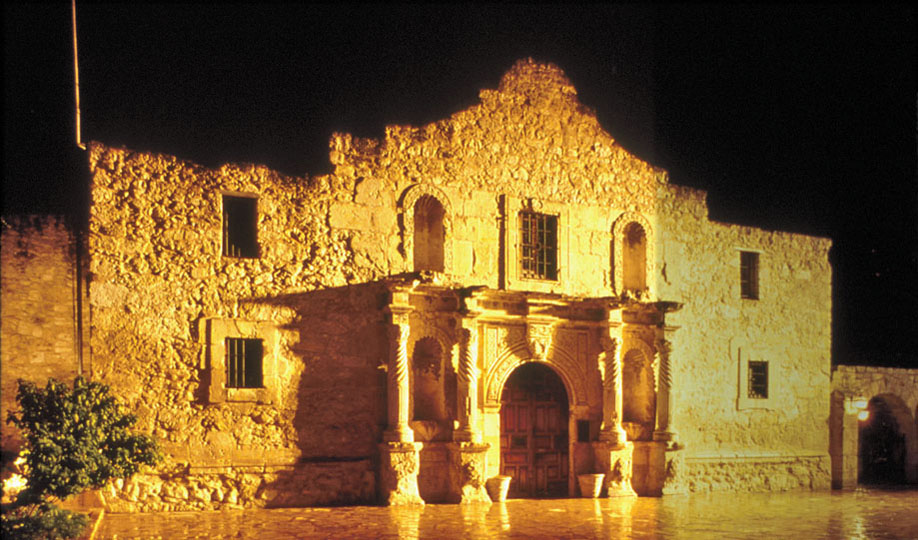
860	403
862	415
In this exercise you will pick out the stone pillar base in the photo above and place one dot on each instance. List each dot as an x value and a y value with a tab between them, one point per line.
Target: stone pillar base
467	471
399	463
615	462
667	469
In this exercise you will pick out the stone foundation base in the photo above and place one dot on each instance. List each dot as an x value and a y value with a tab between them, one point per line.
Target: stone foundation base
399	463
757	473
219	488
467	469
615	462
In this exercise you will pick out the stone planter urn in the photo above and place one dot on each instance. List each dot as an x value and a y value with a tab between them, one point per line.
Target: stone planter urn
497	487
590	484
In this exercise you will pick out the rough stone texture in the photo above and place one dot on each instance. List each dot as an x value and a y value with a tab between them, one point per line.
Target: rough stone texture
467	473
751	473
399	469
334	252
898	387
39	334
616	463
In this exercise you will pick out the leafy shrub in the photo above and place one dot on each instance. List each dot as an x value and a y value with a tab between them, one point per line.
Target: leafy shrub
75	439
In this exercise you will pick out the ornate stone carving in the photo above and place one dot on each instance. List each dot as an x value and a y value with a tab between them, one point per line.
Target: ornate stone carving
400	463
539	336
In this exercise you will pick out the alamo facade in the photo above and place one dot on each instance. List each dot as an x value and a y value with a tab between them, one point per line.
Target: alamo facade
505	292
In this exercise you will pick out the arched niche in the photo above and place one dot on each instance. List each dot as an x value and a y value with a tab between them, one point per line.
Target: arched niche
428	369
639	397
632	253
427	228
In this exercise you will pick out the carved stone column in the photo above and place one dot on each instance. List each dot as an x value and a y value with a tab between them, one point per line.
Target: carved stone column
611	369
467	384
399	455
399	412
664	431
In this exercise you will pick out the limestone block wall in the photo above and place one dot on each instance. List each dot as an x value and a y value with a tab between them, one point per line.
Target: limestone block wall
38	312
788	326
161	287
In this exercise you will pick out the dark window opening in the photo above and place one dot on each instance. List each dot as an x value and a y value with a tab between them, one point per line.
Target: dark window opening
749	275
583	431
538	246
240	230
758	380
243	363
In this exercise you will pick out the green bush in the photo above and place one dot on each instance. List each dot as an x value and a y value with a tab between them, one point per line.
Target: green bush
75	439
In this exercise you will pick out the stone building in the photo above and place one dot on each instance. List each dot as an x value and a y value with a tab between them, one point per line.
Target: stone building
503	292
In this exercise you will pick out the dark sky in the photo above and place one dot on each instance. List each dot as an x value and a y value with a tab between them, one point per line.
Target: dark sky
793	118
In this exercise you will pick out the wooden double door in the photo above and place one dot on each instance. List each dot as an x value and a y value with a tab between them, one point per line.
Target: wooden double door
534	433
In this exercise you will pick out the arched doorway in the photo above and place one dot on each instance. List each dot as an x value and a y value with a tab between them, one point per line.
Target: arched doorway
534	432
882	445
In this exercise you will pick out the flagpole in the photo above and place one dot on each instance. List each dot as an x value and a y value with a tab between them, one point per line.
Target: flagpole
76	77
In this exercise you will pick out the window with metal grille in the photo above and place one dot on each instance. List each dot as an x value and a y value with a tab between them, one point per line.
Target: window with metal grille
538	246
243	363
749	275
240	218
758	380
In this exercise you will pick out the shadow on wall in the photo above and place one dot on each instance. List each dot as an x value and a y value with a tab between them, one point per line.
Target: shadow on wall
340	400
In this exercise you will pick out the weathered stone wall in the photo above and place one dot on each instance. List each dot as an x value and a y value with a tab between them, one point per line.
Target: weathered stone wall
40	334
788	326
162	294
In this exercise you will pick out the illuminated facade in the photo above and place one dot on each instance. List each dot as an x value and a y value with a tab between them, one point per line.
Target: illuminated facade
503	292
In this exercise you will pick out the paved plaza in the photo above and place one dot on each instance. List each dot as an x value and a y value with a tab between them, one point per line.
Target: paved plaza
863	514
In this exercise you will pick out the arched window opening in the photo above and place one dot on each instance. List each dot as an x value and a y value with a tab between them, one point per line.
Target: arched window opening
429	398
429	234
634	258
639	397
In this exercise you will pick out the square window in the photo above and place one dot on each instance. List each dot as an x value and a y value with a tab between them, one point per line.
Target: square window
749	275
240	219
244	363
538	246
758	380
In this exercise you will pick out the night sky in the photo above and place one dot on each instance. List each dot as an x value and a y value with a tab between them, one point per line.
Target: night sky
793	118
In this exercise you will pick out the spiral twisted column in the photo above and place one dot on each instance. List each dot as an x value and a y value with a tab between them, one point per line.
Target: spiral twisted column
612	431
664	431
467	381
399	390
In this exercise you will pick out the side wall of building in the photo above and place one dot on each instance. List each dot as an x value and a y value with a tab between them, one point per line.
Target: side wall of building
39	309
731	440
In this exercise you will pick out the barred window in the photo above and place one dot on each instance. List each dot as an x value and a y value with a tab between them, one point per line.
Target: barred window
538	246
749	275
243	363
758	380
240	222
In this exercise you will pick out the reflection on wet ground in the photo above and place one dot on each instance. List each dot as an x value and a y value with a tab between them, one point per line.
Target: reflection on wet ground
862	514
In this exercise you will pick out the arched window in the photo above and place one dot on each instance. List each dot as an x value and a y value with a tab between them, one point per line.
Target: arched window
429	234
634	258
429	398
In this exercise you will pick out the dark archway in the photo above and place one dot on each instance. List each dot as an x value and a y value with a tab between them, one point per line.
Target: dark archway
534	443
429	234
882	447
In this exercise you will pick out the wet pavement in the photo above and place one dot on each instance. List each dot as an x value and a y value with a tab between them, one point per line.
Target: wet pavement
862	514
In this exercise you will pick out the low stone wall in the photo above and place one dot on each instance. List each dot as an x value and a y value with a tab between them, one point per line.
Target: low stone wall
763	473
307	484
